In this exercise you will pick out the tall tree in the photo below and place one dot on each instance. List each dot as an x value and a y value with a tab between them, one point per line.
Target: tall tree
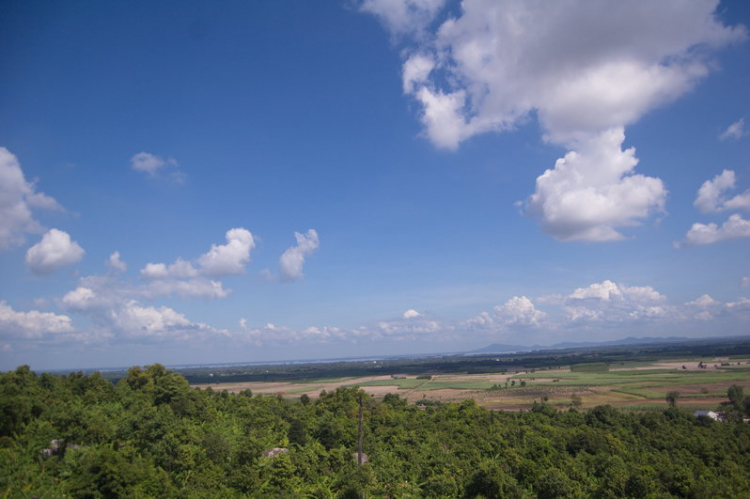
672	398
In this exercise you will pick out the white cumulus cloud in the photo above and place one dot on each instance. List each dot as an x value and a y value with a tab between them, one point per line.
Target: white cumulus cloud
416	69
411	314
700	234
231	258
293	259
519	310
584	69
80	299
115	262
403	16
199	278
608	302
33	324
179	269
116	315
17	200
145	323
55	250
610	291
189	288
712	194
583	66
593	191
517	313
703	301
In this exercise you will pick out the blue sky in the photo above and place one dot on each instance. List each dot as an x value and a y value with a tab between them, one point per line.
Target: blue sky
190	182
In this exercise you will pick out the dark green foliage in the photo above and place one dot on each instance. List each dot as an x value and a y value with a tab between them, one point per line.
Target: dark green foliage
298	433
555	484
492	482
154	436
736	395
576	400
672	398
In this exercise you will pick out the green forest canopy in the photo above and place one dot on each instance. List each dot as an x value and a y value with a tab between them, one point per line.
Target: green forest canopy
151	435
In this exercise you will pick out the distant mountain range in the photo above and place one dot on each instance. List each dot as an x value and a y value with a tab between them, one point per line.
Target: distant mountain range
504	348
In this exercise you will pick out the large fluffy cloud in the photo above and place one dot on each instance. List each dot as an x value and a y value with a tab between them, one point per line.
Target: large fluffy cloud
293	259
55	250
200	278
583	66
608	291
17	200
712	198
518	313
136	321
612	303
585	69
231	258
124	318
593	191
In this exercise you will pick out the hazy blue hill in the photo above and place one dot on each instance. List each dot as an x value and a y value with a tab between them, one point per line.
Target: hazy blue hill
503	348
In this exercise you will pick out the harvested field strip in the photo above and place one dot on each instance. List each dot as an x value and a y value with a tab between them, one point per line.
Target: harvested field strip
458	384
640	379
403	384
314	381
435	384
609	397
303	389
640	393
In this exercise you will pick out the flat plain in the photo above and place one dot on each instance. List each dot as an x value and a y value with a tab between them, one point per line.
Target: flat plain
701	384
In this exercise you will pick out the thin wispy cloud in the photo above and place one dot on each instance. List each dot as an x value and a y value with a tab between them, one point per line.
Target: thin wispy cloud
735	131
157	167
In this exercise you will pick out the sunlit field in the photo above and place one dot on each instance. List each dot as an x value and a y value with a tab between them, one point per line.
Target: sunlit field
640	386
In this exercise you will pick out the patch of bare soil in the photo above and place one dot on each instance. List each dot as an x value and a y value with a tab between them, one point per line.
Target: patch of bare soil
297	389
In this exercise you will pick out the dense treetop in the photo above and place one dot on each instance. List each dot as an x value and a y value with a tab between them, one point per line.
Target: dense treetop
151	435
